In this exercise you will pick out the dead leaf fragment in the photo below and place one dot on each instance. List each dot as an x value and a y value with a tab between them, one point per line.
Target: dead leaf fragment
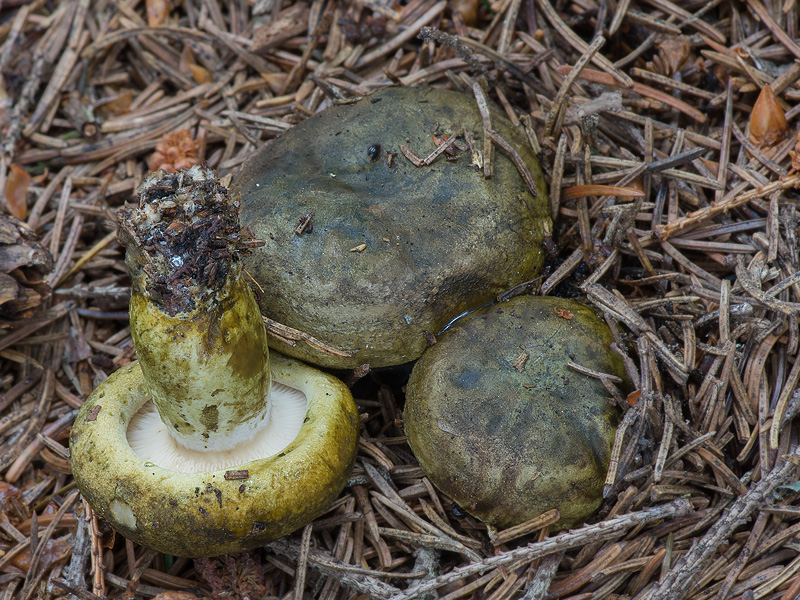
8	495
768	124
5	101
467	10
54	550
92	414
17	184
520	362
157	12
563	313
187	62
637	184
8	288
200	74
795	154
673	52
175	595
710	165
118	105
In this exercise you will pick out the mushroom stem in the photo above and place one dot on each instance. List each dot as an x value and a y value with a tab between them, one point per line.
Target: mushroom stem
194	320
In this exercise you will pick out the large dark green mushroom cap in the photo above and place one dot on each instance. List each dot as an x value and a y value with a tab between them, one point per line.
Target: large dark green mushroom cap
502	425
396	251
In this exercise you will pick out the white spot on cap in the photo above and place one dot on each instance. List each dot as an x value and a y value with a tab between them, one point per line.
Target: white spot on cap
122	513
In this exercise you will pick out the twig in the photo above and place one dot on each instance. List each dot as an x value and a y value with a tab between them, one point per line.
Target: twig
302	563
639	88
488	149
498	59
563	271
593	374
547	518
749	284
606	530
551	125
537	588
462	50
779	419
75	590
362	580
522	168
427	541
424	162
32	445
576	42
36	554
763	14
291	336
33	426
679	580
664	232
400	39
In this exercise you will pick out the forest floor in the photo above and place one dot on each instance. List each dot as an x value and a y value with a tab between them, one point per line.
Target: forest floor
694	264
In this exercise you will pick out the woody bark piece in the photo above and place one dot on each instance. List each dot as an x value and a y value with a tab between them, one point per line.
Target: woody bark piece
24	263
289	23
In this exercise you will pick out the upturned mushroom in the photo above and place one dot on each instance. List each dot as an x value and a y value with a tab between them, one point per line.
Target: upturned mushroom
499	421
384	221
206	445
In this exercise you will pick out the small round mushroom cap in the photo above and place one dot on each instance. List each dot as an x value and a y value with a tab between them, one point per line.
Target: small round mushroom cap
234	504
366	251
502	425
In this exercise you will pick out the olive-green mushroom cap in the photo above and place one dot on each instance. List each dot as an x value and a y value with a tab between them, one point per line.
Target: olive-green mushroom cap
222	511
394	252
501	424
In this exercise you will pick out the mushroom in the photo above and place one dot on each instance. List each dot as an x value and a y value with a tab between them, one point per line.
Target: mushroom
206	445
372	254
502	425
